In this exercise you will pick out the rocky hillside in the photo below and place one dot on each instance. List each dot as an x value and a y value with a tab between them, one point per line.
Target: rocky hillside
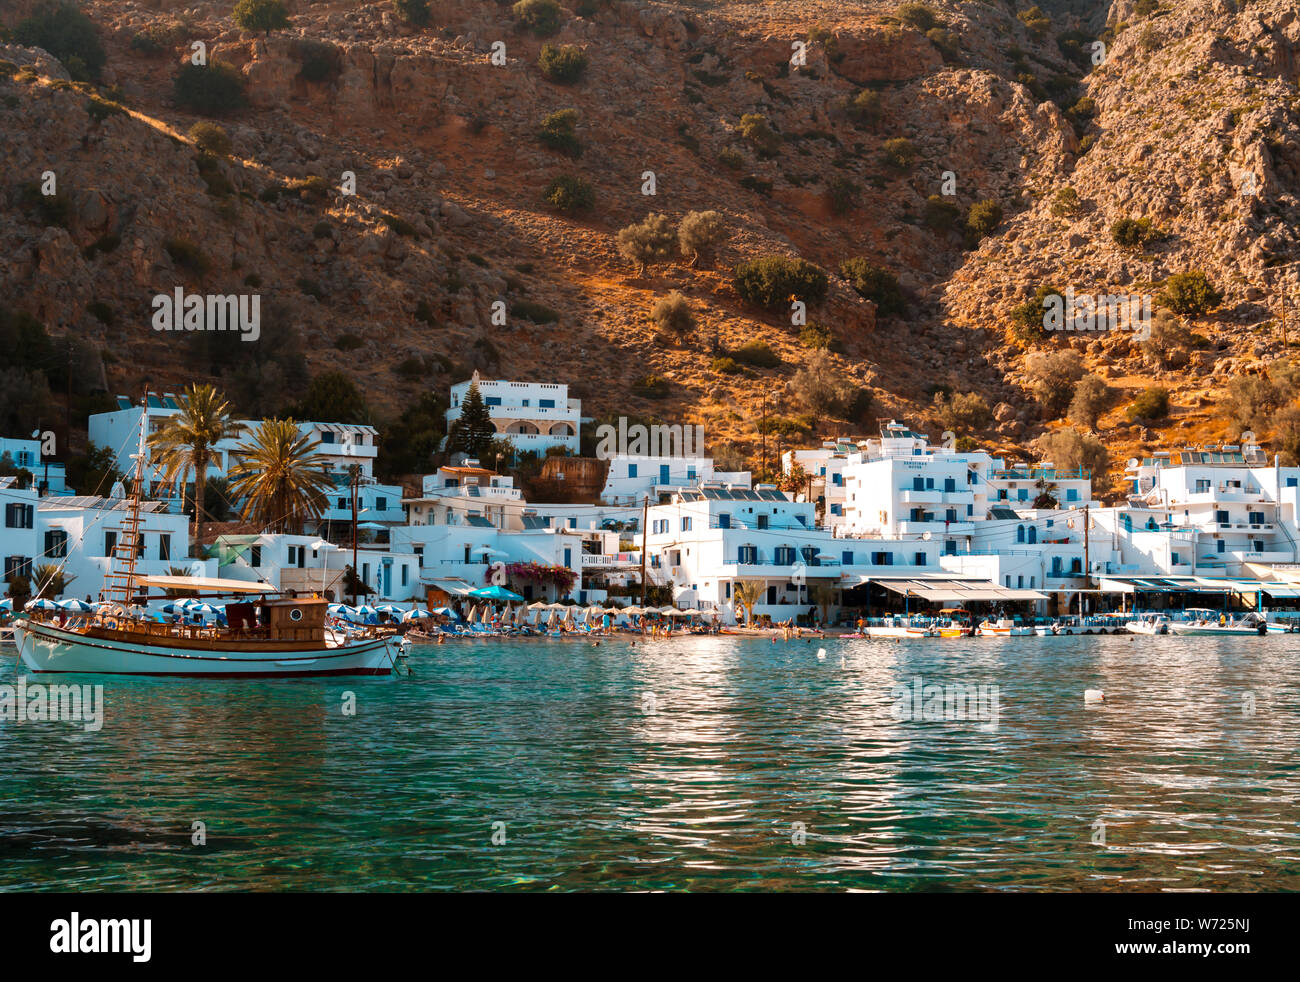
977	152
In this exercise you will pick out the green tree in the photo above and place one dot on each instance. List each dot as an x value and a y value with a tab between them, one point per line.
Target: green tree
673	314
653	240
755	131
260	15
562	64
187	443
699	235
542	17
1090	398
413	11
875	283
775	281
213	89
332	397
559	131
473	432
280	477
1190	294
66	32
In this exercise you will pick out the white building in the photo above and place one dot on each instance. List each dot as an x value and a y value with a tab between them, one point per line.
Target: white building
630	479
47	475
81	533
534	416
19	540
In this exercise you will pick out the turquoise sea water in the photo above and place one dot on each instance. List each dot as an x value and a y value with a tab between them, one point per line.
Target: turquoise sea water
681	765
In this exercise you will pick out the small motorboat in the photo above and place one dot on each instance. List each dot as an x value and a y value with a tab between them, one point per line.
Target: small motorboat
1205	622
1148	624
1005	627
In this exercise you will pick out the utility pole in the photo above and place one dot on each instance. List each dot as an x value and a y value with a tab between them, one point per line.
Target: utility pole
645	511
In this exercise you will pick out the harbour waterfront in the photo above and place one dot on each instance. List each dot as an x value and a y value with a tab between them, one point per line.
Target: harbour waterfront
705	763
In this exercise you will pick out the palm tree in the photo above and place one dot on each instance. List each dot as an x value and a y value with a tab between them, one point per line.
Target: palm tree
1046	494
187	441
746	593
279	477
50	580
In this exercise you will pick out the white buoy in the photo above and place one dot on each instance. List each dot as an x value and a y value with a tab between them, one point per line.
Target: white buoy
821	654
1094	695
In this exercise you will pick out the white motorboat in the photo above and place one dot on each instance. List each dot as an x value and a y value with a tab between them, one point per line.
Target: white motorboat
1148	624
900	627
1206	622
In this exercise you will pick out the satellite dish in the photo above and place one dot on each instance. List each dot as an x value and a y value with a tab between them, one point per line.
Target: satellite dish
1132	462
926	536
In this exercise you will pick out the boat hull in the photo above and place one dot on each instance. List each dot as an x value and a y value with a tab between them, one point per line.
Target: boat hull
1196	630
45	648
890	631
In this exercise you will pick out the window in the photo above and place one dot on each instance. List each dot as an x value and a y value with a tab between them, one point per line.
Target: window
1221	517
1174	559
631	470
837	479
546	403
18	515
326	436
17	566
110	543
882	559
783	556
686	524
835	510
1020	582
1056	565
690	473
492	401
950	515
1202	485
1071	494
1022	494
255	556
1033	535
1256	518
381	504
918	484
1291	482
56	544
406	570
762	521
929	484
919	559
1222	546
1076	565
343	504
950	484
164	547
1020	533
747	555
664	474
846	557
724	520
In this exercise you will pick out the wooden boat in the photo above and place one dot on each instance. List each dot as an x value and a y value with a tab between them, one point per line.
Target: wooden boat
279	637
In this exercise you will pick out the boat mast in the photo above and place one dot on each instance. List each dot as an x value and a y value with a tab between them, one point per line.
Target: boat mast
120	582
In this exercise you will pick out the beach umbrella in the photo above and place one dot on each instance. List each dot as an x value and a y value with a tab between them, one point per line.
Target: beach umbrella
335	610
42	604
495	592
77	606
415	613
553	619
540	605
473	615
634	609
367	614
372	527
444	611
392	610
7	603
521	616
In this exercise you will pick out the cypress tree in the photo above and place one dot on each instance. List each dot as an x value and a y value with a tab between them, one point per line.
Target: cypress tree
473	432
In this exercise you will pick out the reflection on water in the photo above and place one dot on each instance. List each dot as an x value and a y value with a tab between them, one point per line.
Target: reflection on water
709	764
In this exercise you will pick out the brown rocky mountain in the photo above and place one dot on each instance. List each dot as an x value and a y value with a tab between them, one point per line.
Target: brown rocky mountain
871	113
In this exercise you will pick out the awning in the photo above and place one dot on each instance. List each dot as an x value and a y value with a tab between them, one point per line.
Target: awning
937	589
206	585
457	588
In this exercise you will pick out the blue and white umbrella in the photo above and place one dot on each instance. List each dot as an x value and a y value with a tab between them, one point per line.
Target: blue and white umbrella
392	610
41	604
418	612
7	603
342	611
202	609
78	606
367	614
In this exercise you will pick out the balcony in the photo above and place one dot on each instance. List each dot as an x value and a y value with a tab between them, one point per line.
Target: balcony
613	561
